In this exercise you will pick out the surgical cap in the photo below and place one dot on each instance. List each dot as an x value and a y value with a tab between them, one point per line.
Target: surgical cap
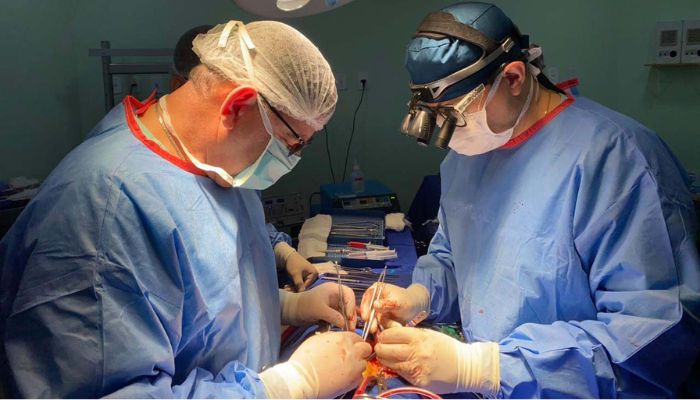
428	60
184	59
289	70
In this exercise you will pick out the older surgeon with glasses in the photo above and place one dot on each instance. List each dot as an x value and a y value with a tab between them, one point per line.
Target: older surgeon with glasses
143	267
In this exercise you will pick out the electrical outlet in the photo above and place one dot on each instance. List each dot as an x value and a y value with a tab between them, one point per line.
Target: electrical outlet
360	77
341	81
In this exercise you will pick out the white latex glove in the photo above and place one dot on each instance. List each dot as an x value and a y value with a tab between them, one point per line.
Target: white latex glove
396	306
437	362
324	366
302	272
321	303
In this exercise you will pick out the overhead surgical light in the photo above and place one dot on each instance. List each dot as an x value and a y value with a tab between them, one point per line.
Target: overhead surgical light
291	5
282	9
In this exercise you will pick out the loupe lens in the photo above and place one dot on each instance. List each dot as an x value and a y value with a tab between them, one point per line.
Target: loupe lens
445	133
423	126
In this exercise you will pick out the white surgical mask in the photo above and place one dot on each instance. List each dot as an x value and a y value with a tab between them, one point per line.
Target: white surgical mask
268	168
477	137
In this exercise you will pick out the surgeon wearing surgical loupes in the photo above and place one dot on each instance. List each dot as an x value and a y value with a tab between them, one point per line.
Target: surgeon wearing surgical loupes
143	268
566	239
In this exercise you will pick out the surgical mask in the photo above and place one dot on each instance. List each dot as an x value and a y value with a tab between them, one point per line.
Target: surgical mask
272	164
268	168
477	137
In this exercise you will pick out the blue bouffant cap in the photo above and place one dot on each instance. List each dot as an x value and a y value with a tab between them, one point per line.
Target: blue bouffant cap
432	58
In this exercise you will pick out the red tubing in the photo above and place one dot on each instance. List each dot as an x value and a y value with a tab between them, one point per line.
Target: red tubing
409	390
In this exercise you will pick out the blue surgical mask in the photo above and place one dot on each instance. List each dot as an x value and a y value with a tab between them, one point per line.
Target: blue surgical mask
272	164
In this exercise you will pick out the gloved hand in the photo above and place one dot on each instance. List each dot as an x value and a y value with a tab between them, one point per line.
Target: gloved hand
396	306
299	269
321	303
437	362
324	366
302	272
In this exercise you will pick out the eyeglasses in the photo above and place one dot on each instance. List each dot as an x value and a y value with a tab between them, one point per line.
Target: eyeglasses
301	143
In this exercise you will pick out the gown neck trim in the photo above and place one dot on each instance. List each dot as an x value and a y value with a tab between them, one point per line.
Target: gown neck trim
134	108
537	126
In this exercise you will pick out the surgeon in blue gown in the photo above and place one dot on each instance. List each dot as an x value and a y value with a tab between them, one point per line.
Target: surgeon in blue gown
566	245
299	270
143	267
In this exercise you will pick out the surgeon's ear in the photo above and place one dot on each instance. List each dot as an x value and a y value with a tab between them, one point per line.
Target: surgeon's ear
235	101
515	75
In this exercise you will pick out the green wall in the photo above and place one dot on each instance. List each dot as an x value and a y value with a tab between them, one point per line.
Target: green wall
52	91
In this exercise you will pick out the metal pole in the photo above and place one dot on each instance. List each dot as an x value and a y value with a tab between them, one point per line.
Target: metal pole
107	80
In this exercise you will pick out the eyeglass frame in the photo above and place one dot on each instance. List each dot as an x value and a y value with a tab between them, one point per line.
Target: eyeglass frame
301	142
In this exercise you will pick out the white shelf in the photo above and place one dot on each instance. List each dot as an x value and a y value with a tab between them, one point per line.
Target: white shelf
673	65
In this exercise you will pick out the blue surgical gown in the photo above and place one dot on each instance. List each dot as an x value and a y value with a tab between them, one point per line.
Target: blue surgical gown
277	237
102	126
575	251
127	276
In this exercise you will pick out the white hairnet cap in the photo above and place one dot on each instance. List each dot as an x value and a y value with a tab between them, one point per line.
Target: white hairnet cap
287	69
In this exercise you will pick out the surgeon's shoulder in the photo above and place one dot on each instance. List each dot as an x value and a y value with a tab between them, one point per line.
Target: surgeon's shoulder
626	143
598	122
103	165
99	156
114	120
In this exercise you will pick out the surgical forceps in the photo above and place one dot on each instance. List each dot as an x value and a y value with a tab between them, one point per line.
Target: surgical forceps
375	296
342	297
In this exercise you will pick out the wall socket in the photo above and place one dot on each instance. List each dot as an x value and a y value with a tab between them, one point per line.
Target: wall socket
360	76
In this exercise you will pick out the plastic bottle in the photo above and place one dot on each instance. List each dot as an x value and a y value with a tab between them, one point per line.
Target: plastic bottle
358	180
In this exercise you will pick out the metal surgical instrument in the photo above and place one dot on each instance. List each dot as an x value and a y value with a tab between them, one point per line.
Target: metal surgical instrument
375	296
